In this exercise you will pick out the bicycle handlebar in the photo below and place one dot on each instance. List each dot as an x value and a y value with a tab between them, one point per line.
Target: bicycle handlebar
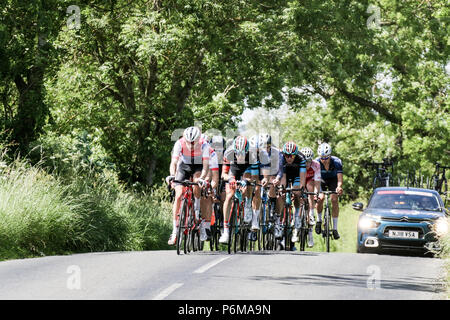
328	192
186	182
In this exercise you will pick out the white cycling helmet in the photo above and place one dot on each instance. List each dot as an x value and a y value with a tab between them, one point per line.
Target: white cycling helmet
264	140
253	142
218	142
206	138
308	153
192	134
324	150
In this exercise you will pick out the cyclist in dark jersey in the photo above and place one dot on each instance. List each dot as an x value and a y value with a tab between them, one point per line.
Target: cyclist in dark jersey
292	169
238	164
332	179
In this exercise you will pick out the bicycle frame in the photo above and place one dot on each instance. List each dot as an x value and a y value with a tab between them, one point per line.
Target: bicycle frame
185	217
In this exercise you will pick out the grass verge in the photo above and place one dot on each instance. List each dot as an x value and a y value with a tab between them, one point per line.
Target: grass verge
43	215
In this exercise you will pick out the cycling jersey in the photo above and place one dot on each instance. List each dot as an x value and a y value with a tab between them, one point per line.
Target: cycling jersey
334	168
272	161
238	166
313	173
194	155
297	166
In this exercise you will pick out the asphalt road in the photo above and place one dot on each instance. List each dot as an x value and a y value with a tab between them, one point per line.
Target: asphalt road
217	275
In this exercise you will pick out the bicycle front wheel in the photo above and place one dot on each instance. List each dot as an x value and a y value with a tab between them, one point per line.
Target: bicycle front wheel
181	226
303	229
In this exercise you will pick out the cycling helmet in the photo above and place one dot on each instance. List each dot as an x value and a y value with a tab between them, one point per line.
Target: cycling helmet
240	145
253	142
206	138
308	153
264	140
324	150
218	142
290	148
192	134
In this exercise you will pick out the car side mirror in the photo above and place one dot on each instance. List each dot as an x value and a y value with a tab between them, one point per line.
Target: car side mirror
358	206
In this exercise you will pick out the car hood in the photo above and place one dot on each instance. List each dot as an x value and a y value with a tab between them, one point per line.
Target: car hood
410	214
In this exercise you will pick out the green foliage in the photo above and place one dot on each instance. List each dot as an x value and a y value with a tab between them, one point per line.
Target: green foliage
41	215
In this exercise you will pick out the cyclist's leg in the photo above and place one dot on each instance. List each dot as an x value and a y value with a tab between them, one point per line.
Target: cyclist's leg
247	195
206	212
334	207
229	195
256	201
272	195
181	174
310	188
319	208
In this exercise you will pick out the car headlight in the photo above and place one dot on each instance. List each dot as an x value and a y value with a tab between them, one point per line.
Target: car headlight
441	227
368	223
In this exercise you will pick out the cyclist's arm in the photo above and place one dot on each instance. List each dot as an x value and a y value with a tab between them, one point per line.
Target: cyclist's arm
303	173
205	169
215	179
281	163
175	157
340	179
225	169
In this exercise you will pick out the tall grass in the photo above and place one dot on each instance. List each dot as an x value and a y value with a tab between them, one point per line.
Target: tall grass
41	214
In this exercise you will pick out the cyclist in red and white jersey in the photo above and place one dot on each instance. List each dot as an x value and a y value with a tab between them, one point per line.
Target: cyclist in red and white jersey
206	204
194	153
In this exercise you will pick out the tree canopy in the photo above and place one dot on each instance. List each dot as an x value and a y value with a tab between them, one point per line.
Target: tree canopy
128	73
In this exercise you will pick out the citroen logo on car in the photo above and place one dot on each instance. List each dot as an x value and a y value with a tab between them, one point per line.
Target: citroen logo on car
404	219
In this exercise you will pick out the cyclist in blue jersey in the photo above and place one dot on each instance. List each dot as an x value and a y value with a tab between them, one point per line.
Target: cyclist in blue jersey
332	179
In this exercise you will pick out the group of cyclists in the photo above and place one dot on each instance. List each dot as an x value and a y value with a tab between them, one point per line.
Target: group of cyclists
211	162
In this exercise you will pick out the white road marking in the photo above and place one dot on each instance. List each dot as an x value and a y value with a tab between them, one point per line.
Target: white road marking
210	265
163	294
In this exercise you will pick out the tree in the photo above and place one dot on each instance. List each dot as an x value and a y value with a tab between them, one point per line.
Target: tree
26	54
138	70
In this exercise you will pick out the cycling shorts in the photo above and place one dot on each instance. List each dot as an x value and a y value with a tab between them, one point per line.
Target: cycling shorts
329	184
186	171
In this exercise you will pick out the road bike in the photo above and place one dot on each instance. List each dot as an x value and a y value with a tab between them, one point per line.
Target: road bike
216	222
382	178
327	232
235	219
249	238
266	226
286	218
439	181
186	219
304	219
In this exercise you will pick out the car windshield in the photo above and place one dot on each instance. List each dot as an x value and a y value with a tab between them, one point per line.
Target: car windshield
404	199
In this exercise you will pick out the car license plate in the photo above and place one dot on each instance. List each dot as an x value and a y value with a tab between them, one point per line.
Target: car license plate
403	234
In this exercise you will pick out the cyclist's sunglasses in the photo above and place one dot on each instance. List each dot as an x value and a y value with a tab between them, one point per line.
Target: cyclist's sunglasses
289	155
325	158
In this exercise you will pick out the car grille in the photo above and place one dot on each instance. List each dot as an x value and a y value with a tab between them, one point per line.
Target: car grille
404	219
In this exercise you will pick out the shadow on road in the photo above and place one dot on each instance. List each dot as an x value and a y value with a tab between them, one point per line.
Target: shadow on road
357	280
